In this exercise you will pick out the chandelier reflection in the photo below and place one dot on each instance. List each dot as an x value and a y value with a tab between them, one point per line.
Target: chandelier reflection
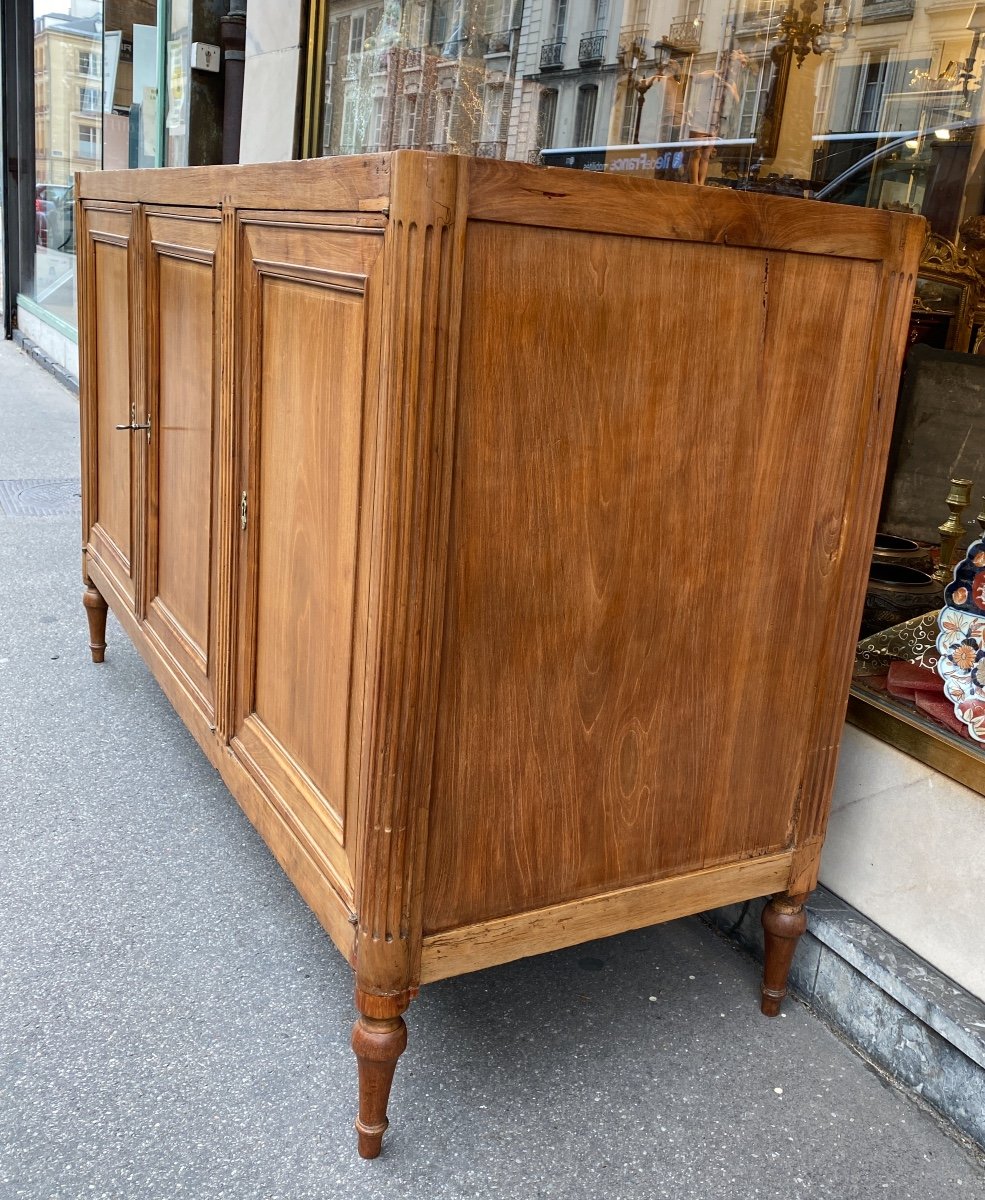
800	34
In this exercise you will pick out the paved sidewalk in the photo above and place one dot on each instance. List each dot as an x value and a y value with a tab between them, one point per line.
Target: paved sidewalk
173	1021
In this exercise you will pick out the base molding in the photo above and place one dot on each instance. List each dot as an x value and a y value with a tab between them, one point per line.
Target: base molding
504	939
916	1025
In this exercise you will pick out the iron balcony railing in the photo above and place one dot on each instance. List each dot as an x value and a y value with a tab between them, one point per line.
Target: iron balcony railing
552	56
761	16
500	42
353	66
494	149
876	11
591	48
453	48
685	34
631	43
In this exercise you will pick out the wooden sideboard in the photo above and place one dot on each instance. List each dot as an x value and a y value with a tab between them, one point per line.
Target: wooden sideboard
499	533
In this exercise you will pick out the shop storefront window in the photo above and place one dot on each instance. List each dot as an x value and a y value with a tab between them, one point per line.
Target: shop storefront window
68	58
95	106
865	102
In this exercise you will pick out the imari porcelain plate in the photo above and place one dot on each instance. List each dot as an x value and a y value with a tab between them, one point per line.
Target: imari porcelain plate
960	642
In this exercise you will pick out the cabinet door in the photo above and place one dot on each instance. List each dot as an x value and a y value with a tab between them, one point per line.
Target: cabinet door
182	399
309	379
110	398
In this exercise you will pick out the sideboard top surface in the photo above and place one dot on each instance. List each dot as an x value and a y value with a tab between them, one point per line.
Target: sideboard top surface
518	193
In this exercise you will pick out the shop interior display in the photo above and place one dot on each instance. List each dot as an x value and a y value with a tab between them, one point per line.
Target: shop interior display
898	653
939	435
898	693
443	528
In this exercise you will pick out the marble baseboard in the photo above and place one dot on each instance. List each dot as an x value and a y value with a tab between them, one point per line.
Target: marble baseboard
915	1024
43	359
906	847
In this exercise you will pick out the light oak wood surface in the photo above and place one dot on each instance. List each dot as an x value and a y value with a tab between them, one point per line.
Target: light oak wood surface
499	533
488	943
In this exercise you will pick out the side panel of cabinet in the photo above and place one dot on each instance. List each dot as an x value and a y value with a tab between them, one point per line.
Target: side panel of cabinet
110	397
309	328
182	252
601	726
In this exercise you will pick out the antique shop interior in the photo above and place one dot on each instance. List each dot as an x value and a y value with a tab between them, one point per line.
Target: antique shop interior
875	103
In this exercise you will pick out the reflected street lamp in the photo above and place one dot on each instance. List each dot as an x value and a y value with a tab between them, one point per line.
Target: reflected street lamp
661	61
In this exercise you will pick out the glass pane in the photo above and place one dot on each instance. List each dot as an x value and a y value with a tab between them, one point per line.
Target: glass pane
178	70
68	110
869	102
95	92
130	122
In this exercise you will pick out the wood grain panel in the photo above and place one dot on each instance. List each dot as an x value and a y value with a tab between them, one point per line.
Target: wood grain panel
356	183
182	401
113	508
184	446
636	579
560	198
816	394
305	507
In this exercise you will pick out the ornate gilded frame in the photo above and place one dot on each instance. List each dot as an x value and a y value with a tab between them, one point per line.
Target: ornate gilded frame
768	127
952	266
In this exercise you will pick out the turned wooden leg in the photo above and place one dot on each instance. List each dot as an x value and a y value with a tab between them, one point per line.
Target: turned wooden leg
377	1042
95	607
784	920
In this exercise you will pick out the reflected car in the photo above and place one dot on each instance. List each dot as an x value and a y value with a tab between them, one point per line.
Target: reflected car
913	171
906	170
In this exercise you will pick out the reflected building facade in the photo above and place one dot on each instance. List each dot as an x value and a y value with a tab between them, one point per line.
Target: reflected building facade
424	75
68	97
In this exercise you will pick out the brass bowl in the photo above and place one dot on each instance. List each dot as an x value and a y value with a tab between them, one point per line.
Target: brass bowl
904	551
896	594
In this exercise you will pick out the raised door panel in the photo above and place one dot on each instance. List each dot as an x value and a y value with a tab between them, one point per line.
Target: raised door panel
183	394
110	398
308	385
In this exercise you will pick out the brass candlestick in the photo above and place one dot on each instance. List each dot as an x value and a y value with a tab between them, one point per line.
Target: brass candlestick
958	499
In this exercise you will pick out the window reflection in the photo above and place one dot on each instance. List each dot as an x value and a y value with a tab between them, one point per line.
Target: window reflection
872	101
68	107
95	105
